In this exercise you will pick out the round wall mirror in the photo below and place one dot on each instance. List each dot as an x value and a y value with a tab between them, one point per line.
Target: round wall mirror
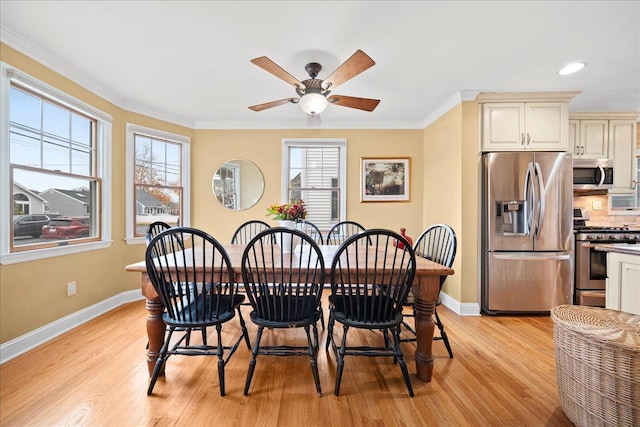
238	184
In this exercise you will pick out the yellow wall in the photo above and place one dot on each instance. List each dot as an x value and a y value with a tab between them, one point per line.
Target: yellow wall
33	294
450	188
264	148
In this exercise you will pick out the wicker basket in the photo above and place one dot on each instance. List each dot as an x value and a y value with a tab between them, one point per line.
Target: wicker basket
598	365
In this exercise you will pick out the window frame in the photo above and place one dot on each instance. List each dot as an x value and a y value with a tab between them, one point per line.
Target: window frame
317	142
185	149
8	74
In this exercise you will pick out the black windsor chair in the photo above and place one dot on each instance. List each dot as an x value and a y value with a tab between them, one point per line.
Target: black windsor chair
154	229
370	280
341	231
193	298
437	243
248	230
284	291
312	230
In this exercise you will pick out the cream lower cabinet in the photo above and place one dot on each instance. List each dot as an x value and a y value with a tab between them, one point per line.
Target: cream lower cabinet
623	283
517	126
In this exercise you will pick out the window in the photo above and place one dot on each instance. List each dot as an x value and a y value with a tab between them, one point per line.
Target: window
315	171
157	180
627	204
56	152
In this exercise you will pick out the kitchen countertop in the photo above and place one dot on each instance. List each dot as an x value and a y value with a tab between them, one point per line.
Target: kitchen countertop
623	248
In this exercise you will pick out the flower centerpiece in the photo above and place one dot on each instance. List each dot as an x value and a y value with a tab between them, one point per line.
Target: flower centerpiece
295	211
287	215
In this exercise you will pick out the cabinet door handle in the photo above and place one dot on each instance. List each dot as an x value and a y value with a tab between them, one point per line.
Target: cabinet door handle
528	138
522	138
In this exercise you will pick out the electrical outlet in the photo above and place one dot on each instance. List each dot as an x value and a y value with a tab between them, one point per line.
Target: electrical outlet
71	288
596	205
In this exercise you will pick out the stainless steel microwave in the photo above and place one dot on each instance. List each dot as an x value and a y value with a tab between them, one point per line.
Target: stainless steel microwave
592	174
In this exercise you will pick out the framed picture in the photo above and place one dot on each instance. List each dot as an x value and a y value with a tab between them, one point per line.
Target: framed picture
385	179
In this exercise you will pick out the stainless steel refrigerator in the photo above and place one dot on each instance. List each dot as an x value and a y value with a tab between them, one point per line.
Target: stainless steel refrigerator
527	235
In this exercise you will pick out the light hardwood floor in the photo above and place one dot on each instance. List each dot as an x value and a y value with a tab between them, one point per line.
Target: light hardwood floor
503	374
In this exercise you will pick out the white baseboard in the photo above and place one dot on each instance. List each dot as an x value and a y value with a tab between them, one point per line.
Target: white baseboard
460	308
39	336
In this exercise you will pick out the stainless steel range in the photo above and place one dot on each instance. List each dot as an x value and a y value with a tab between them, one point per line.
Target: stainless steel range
591	265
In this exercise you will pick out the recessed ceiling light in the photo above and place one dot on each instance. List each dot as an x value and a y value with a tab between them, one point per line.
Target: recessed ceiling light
574	67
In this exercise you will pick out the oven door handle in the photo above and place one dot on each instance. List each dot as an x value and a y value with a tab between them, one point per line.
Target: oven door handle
593	245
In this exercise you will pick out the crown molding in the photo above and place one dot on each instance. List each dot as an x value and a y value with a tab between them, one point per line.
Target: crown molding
454	100
43	57
605	116
527	96
48	60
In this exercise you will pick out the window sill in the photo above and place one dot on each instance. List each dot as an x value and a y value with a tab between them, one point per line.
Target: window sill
26	256
135	240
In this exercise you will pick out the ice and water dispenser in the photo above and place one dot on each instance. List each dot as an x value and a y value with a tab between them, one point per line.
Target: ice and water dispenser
511	218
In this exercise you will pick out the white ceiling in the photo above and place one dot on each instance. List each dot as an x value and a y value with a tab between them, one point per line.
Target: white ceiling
187	62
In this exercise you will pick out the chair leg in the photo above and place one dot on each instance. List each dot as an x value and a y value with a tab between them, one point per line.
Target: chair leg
220	351
243	326
204	336
316	343
321	317
340	359
312	358
329	331
443	334
159	363
398	355
252	363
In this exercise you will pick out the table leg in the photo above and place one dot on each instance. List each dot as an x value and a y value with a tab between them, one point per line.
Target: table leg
425	294
155	325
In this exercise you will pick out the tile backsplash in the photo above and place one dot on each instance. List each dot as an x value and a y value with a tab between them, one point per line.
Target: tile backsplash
601	217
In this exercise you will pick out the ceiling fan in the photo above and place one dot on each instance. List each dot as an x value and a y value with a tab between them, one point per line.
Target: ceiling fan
314	94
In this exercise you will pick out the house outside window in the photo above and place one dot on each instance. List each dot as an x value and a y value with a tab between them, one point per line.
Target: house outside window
157	180
315	171
50	141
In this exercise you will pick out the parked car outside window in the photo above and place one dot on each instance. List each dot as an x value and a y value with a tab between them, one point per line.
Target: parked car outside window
66	228
29	225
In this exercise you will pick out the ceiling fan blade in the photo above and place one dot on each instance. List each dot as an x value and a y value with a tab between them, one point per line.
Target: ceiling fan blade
271	104
273	68
356	64
366	104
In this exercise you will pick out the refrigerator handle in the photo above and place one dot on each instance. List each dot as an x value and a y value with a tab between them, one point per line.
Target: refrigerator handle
529	193
541	200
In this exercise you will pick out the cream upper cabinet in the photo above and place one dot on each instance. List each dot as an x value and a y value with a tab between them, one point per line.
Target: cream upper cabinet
517	126
592	139
574	137
607	136
622	145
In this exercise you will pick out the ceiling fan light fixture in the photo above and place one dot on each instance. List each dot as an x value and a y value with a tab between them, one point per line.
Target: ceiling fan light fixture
313	103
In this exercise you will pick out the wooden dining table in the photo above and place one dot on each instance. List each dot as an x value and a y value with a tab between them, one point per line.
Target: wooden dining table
425	289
